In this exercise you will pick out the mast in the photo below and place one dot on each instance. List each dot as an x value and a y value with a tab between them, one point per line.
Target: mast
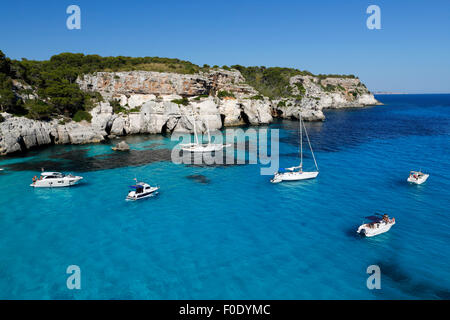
209	133
195	129
301	140
309	143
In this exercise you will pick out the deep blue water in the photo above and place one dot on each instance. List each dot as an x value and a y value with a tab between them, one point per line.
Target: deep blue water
226	232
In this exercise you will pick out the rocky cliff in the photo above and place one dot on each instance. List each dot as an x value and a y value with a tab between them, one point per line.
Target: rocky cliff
154	102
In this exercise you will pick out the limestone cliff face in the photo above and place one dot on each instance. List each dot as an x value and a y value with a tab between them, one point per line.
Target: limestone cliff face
19	133
311	95
150	96
152	104
115	84
154	91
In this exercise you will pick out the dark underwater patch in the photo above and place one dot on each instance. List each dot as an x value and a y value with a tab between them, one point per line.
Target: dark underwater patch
203	160
78	161
410	286
199	178
154	145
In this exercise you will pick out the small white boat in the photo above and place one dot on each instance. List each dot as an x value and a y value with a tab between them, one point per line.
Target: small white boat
378	226
141	190
198	147
194	147
54	180
417	177
297	173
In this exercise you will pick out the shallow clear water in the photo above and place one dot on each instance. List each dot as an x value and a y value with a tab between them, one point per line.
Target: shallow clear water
226	232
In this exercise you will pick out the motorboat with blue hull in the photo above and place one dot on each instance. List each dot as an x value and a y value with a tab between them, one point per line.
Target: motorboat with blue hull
141	190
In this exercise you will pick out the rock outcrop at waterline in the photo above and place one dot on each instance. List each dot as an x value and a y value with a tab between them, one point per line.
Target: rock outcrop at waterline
19	133
154	102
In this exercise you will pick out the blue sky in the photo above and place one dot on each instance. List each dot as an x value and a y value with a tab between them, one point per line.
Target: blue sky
411	52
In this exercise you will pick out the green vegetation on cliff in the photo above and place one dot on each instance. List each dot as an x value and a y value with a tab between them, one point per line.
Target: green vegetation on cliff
54	84
273	82
45	89
270	82
225	94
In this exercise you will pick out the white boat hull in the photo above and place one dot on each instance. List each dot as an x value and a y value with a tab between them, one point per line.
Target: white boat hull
133	196
418	180
199	148
378	228
294	176
57	182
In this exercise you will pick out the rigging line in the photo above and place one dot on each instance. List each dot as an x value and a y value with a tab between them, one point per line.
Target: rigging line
309	143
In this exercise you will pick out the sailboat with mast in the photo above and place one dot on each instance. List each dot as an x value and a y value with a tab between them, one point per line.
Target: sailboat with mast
201	147
297	173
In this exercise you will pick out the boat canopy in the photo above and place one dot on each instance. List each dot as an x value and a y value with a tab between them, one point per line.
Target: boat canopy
373	218
139	188
44	174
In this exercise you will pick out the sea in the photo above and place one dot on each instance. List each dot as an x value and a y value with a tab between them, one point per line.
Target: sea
223	231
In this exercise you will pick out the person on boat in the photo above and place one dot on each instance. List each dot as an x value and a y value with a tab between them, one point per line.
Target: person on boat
386	218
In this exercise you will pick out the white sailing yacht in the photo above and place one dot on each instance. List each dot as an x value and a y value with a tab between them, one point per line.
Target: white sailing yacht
201	147
297	173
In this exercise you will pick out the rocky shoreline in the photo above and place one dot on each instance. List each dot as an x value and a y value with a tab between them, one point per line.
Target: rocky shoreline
154	102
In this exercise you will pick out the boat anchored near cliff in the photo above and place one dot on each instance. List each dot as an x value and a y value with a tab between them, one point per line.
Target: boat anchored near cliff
417	177
198	147
55	180
296	173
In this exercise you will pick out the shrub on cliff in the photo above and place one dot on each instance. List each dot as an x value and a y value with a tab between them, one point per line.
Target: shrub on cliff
81	115
301	88
117	108
225	94
184	101
9	102
39	110
198	98
7	97
5	64
281	103
270	82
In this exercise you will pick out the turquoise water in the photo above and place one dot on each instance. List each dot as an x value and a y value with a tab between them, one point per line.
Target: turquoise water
225	232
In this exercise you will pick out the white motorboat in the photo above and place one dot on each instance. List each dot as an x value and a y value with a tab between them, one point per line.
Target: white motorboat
55	180
378	225
417	177
296	173
141	190
201	147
